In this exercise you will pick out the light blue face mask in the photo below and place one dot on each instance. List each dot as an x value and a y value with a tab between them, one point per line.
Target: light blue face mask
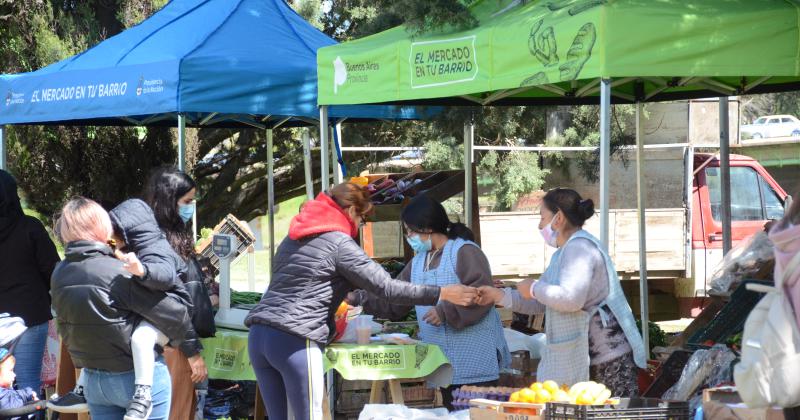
418	245
186	211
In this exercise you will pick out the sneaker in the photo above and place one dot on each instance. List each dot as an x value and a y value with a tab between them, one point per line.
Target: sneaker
69	403
141	405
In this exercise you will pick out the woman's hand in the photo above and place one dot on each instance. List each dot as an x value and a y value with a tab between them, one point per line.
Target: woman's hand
459	294
214	300
199	370
488	295
525	288
432	317
131	263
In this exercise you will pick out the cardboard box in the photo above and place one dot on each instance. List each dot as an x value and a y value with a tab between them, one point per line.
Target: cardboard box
495	410
725	404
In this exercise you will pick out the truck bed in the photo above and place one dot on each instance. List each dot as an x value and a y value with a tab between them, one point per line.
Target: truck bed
515	248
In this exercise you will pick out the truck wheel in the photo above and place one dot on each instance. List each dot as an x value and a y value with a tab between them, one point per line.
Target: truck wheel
756	135
796	133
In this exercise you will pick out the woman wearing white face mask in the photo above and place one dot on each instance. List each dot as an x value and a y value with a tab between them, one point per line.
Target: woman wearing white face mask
591	332
472	336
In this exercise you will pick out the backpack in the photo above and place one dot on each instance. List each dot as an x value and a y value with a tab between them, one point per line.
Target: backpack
768	373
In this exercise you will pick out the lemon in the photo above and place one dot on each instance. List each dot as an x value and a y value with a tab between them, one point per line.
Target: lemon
528	395
561	396
537	386
543	397
550	386
515	397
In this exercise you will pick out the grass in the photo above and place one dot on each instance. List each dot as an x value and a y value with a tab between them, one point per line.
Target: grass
239	270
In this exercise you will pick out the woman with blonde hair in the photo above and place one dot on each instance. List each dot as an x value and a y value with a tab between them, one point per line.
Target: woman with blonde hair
98	304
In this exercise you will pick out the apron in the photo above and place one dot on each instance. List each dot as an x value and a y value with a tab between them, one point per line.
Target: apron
478	352
565	358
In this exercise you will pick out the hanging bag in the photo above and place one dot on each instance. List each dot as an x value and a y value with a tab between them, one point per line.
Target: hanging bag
768	373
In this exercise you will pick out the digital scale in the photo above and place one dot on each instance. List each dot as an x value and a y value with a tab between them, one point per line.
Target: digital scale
224	247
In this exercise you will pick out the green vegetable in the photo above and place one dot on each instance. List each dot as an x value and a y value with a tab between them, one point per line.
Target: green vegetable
244	298
658	338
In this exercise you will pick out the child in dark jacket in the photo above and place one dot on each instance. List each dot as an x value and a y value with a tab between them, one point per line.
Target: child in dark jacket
151	258
9	397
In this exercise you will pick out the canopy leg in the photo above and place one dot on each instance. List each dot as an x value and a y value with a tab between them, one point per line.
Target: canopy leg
324	143
725	169
307	164
270	199
640	207
3	148
469	139
605	157
181	142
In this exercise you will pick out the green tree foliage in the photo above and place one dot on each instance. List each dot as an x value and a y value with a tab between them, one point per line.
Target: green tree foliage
56	163
584	131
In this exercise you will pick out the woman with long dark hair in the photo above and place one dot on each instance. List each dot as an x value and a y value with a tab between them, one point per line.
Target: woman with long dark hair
171	194
591	332
471	337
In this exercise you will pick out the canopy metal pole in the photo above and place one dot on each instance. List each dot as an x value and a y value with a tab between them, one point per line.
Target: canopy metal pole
725	169
605	157
640	207
270	199
469	138
181	142
338	173
325	142
307	164
3	148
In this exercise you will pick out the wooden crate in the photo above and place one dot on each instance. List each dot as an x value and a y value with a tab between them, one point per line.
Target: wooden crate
495	410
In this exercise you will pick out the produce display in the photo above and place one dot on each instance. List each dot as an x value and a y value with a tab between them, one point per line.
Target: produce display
463	395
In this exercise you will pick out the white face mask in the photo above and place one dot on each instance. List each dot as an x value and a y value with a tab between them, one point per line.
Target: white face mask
550	236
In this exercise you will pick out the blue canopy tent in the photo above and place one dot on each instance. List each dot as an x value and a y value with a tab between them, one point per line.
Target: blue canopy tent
197	63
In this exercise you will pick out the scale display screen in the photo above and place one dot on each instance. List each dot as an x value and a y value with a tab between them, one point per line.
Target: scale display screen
222	245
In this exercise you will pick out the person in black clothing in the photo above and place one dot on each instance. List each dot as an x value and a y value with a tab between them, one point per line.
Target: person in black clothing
27	259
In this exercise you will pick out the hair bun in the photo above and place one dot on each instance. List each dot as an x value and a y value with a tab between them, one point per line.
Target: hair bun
586	208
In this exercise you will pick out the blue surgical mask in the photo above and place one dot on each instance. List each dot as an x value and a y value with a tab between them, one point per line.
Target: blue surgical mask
186	211
418	245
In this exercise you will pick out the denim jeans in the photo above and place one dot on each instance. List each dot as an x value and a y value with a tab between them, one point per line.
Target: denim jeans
29	353
108	393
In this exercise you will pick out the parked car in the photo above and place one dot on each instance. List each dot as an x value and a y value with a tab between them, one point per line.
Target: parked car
772	126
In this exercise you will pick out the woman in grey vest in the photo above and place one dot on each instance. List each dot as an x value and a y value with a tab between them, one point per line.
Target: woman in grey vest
471	337
591	332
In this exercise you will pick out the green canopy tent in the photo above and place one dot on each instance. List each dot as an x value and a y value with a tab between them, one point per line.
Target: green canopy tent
570	52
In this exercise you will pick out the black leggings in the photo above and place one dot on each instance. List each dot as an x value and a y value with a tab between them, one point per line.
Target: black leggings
287	367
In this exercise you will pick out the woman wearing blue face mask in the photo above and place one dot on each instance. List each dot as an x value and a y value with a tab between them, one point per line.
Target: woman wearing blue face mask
591	332
471	337
171	194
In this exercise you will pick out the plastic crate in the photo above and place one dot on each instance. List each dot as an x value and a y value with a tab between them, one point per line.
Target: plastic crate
628	408
730	319
668	373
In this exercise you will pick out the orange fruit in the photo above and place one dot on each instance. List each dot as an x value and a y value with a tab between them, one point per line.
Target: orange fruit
528	395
